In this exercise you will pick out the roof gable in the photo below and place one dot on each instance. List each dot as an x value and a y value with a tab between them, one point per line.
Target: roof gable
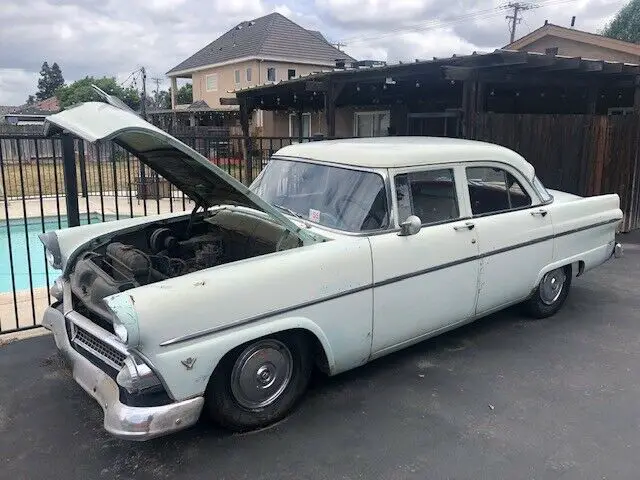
270	36
550	29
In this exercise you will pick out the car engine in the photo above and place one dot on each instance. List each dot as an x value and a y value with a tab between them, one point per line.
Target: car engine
118	267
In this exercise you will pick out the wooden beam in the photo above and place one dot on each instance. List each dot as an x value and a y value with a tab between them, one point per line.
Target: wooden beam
229	101
331	95
316	86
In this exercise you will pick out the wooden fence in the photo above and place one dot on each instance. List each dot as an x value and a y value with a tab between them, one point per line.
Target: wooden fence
580	154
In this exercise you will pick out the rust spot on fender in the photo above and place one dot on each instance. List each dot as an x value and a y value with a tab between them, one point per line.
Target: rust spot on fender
199	283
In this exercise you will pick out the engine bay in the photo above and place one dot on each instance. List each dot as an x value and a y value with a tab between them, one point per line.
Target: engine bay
163	250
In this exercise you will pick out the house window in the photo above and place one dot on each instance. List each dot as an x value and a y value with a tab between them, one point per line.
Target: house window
271	74
306	126
371	124
236	75
291	73
249	74
212	82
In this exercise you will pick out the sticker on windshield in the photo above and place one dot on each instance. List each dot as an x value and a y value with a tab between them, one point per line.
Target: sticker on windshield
314	215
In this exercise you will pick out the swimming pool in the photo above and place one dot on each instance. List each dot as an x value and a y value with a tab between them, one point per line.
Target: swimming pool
19	242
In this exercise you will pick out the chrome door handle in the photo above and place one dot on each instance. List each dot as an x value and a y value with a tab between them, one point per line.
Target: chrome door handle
539	213
466	226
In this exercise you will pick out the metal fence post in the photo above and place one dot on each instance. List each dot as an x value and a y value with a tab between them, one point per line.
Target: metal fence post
83	168
70	180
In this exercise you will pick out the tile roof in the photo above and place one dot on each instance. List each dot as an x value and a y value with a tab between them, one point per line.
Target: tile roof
273	35
43	107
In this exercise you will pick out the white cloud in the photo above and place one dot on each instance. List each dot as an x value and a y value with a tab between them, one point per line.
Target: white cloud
12	81
114	37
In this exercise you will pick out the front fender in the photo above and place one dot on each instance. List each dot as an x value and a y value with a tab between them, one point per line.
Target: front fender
205	354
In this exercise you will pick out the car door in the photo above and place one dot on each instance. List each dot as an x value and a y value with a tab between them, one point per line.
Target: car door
426	281
515	234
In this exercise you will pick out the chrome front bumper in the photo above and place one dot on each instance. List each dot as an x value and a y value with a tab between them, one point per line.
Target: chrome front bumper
122	421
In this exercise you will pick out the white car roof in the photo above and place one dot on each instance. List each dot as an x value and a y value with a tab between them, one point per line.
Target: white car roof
398	152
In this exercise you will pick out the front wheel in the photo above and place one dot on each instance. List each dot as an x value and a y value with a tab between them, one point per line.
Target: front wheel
258	383
550	294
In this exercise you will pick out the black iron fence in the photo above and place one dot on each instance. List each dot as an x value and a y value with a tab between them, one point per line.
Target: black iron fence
52	183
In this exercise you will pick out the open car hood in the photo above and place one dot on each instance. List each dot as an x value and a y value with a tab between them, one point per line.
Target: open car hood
205	183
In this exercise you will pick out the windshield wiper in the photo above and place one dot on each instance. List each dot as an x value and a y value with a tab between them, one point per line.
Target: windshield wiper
289	211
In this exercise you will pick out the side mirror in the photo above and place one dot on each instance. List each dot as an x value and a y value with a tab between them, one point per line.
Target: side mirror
410	226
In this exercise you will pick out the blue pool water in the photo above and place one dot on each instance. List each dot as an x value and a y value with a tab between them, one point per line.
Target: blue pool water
19	242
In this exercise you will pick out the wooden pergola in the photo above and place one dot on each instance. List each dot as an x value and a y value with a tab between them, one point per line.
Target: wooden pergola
460	86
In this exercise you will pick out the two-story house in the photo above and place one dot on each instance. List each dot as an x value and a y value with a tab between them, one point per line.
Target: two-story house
254	52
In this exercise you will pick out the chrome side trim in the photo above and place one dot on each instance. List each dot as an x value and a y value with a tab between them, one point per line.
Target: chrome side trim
380	283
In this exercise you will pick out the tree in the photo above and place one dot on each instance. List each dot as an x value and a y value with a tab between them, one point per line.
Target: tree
50	80
81	91
185	94
626	24
31	100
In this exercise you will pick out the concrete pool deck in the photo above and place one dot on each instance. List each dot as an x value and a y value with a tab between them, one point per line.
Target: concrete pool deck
18	209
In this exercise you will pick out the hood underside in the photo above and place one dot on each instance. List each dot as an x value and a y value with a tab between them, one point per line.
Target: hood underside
192	173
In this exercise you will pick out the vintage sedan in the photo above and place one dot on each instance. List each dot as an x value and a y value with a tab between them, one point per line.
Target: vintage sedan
340	252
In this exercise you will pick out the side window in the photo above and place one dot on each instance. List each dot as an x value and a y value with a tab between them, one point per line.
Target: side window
494	190
430	195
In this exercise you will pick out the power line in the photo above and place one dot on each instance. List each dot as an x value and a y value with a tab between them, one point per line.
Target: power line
438	23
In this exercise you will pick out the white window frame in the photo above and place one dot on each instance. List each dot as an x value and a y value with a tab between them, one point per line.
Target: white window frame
368	112
275	74
249	74
214	77
236	76
294	117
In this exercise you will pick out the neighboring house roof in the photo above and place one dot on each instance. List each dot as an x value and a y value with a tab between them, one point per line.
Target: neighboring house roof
273	36
43	107
550	29
317	34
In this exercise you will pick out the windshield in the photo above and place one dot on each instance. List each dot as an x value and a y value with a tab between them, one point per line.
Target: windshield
334	197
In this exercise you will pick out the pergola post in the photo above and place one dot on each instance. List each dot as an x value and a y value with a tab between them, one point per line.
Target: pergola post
245	112
330	96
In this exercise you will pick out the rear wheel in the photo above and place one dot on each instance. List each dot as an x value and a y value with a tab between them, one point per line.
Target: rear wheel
551	293
259	382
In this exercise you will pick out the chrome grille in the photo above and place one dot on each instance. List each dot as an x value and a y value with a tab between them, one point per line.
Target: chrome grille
99	348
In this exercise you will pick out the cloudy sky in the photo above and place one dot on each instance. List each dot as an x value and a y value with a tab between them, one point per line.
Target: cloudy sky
114	37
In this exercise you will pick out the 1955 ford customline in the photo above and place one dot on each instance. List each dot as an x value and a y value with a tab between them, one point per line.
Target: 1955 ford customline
340	252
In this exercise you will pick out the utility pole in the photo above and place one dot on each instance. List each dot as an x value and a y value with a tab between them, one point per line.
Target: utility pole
143	108
338	45
156	97
514	20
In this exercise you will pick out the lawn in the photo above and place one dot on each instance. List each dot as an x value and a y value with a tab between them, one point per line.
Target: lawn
32	180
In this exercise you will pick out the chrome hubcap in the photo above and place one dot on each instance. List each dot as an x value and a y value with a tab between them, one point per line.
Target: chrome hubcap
261	373
551	286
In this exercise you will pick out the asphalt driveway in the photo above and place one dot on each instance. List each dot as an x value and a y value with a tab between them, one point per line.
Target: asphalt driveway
505	398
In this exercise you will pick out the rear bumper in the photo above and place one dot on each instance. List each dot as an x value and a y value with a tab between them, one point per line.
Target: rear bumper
122	421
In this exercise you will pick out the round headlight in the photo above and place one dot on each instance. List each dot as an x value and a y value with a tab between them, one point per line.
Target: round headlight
56	289
121	332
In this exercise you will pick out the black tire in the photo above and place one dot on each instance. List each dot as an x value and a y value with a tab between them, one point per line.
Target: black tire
536	307
226	408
